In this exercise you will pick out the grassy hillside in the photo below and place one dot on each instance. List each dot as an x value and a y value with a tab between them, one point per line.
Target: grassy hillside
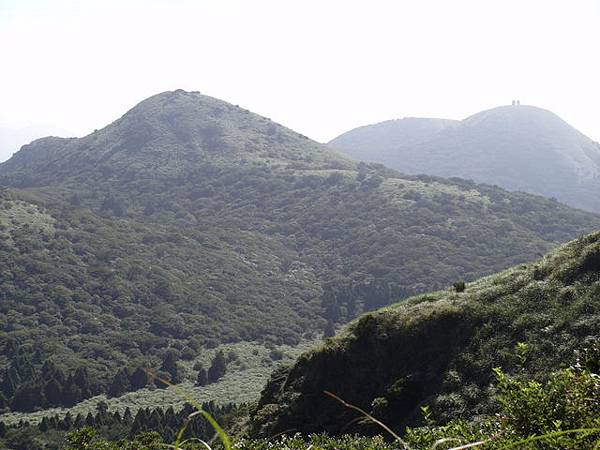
165	136
516	147
439	349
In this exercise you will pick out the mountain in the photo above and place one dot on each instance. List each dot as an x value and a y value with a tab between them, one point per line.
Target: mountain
11	139
519	148
379	142
190	222
167	136
439	349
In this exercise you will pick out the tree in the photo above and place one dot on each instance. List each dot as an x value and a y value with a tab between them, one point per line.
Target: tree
43	425
217	368
53	392
202	378
329	330
127	418
114	204
27	397
71	394
3	401
10	382
67	423
89	420
79	421
50	371
170	366
138	379
82	379
102	415
120	384
459	286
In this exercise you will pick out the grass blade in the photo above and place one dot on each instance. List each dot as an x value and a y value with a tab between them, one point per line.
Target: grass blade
199	411
368	416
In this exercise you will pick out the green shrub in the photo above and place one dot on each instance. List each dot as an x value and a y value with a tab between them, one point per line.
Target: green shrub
459	286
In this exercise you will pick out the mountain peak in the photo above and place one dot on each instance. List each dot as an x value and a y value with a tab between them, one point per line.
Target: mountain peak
517	114
166	135
517	147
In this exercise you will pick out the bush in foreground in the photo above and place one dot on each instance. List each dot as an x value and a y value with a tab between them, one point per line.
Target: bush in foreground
561	413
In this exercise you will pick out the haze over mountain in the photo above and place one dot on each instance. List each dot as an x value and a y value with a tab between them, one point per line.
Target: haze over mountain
12	139
520	148
190	222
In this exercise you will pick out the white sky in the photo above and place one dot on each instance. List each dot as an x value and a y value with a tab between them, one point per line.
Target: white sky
320	67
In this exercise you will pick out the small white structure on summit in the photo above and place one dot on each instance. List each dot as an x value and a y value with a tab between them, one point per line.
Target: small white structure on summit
516	102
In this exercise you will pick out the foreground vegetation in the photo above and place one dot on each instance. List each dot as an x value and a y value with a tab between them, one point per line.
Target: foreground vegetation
561	413
440	349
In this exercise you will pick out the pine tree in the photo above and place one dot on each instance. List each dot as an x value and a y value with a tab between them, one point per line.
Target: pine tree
43	425
329	330
67	423
50	371
217	368
89	420
71	393
10	382
171	419
138	379
202	378
82	380
170	366
127	418
53	392
27	397
139	423
78	422
120	384
53	422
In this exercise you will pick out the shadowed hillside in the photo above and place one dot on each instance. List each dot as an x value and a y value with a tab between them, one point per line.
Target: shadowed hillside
439	349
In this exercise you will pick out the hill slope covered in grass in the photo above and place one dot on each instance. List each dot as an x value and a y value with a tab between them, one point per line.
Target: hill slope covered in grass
166	136
190	222
520	148
439	349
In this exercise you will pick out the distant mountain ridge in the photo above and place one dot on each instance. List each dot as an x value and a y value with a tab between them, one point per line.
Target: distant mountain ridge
520	148
12	139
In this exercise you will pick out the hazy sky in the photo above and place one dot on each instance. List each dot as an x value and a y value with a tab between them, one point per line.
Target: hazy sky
320	67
